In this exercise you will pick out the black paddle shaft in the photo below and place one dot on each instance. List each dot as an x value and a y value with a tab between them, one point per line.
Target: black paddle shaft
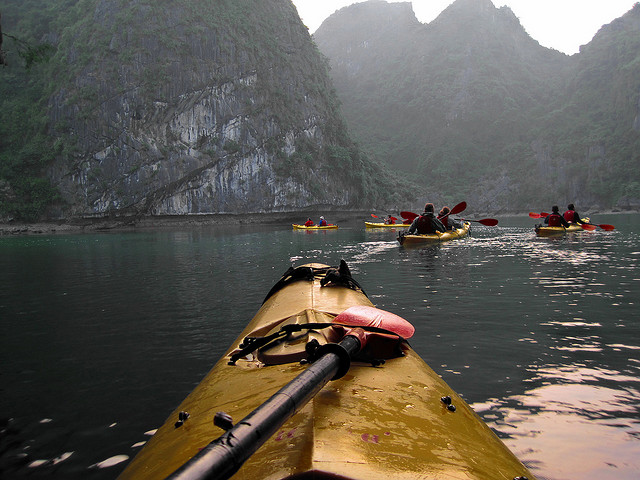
224	456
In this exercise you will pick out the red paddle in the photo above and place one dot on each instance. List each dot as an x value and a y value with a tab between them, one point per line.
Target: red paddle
606	226
489	222
538	215
592	226
408	215
461	207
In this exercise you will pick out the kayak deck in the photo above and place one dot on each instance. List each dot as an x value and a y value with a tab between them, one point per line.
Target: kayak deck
376	422
437	237
314	227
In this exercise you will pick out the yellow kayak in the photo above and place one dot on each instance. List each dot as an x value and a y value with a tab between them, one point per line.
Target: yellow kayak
546	231
314	227
380	420
386	225
437	237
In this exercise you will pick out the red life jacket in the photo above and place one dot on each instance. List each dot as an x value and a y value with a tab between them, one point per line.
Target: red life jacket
424	225
554	220
570	216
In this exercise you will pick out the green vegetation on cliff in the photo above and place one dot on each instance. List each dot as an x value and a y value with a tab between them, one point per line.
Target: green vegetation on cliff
101	127
25	146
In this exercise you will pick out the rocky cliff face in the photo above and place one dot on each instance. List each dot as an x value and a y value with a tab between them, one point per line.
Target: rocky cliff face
197	107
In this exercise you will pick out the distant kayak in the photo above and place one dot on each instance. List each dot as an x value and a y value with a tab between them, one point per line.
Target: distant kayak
435	237
546	231
314	227
386	225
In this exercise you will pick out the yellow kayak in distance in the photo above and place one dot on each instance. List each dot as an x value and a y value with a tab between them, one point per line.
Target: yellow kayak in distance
386	225
546	231
438	237
378	420
314	227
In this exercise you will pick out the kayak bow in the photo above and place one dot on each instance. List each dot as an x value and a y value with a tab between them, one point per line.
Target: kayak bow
385	415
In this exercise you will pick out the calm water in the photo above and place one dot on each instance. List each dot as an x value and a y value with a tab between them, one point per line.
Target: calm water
103	335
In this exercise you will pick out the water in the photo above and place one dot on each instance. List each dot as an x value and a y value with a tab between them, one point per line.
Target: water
104	334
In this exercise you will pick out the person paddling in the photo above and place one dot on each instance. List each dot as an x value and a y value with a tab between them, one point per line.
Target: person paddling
323	222
448	222
426	223
572	216
308	223
555	219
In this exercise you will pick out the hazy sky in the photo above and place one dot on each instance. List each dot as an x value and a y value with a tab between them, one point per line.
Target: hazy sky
560	24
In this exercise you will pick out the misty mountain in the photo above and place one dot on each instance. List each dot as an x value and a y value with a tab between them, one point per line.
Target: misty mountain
475	109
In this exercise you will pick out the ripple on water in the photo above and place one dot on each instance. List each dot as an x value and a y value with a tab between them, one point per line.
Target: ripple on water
573	415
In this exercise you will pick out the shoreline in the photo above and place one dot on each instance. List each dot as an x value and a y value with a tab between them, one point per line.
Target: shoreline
116	224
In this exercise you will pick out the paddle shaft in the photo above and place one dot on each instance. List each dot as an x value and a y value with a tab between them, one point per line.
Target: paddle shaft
489	222
224	456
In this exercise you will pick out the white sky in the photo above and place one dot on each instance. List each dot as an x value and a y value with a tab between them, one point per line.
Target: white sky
560	24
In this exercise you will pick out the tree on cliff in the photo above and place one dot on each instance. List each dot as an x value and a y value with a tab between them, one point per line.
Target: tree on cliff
31	54
2	61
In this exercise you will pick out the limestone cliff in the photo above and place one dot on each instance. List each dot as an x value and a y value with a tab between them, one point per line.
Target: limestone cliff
178	107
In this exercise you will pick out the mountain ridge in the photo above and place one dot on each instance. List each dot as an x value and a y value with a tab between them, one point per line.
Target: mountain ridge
475	97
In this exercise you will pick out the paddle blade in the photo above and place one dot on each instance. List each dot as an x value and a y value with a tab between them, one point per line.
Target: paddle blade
374	216
607	227
364	316
534	215
544	214
461	207
586	226
408	215
489	222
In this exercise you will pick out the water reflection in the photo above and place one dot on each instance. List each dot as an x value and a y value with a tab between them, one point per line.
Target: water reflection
579	422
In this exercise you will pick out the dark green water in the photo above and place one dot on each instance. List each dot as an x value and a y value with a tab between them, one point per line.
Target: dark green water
103	335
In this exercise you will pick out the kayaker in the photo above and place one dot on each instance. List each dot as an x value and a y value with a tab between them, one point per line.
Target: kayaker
389	220
555	219
448	222
308	223
572	216
323	222
427	222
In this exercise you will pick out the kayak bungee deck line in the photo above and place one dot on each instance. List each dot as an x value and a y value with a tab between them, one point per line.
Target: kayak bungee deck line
547	231
418	239
314	227
386	415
